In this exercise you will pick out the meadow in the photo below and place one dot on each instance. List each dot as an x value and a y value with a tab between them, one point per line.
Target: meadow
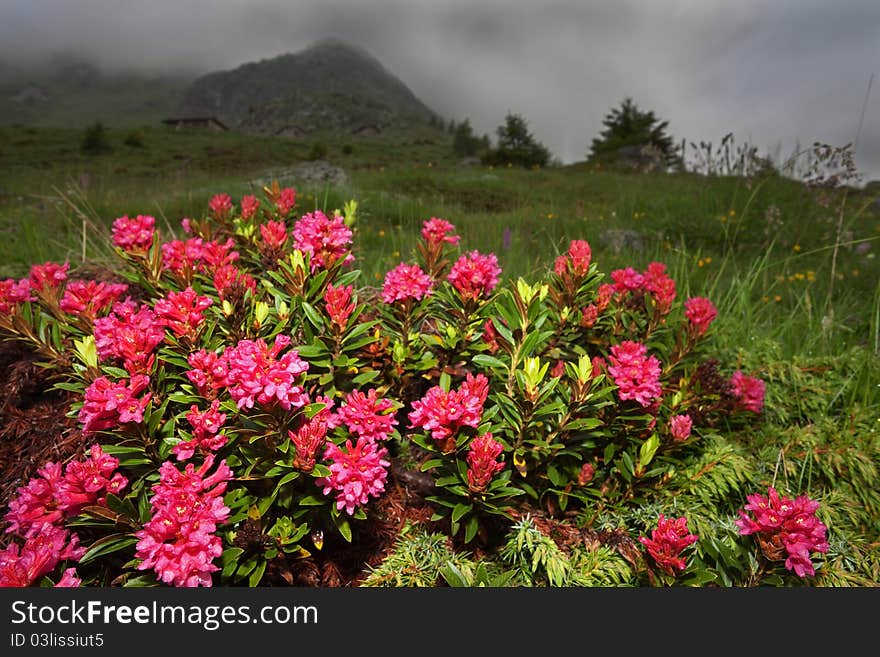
791	267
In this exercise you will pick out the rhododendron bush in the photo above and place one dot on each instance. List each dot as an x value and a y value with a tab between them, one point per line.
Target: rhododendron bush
243	398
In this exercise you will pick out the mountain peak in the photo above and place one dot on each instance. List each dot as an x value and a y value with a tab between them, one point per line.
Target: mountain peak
329	85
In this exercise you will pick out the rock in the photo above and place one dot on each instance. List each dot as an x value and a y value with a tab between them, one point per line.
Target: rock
621	239
318	171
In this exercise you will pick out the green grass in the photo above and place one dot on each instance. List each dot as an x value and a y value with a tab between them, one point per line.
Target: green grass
779	264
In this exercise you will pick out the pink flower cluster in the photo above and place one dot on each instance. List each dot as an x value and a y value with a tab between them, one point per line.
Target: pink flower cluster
577	260
182	312
130	333
88	299
667	543
482	463
134	235
108	405
357	473
444	413
256	373
232	282
21	566
475	275
784	523
439	231
48	277
184	258
53	496
700	312
13	292
680	427
307	440
406	282
636	374
249	206
285	201
179	541
654	281
367	415
210	372
220	205
274	234
749	391
326	240
339	304
206	436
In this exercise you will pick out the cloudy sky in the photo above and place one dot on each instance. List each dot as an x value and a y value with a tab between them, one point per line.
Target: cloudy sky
775	73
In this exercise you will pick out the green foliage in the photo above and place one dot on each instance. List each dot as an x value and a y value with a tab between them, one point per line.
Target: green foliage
629	126
516	146
419	559
318	151
95	140
135	139
465	143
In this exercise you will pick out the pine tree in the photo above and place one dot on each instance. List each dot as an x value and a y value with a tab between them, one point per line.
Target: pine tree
517	146
627	125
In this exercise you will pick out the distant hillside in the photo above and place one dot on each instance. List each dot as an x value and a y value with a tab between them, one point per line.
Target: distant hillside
329	86
77	93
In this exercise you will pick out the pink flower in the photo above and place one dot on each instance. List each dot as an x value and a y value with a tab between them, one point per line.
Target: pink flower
37	503
356	473
134	235
444	413
184	258
14	292
307	440
367	416
220	205
700	312
206	436
585	476
258	374
274	234
475	275
339	304
667	543
680	427
249	206
210	372
326	240
482	465
589	316
286	201
636	374
88	299
627	280
785	526
87	482
23	565
179	542
69	580
603	297
490	336
578	258
231	282
130	334
48	277
438	231
749	391
658	283
108	405
182	312
406	282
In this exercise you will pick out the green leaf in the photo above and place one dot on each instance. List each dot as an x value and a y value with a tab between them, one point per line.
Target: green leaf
471	529
488	361
460	511
257	574
313	316
108	545
648	449
453	576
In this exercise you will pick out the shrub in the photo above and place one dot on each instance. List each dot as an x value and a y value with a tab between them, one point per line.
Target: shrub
517	146
318	151
95	140
244	400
